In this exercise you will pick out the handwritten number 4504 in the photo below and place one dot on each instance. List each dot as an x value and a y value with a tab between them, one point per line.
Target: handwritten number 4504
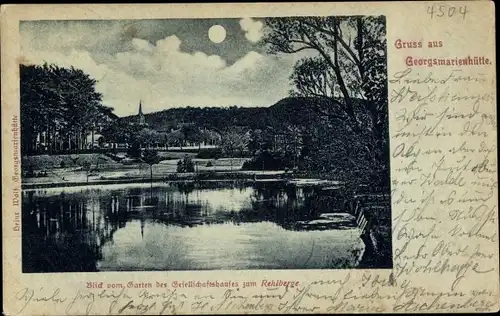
440	11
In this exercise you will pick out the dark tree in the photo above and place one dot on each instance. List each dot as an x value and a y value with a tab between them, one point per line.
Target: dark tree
185	165
121	131
151	158
60	103
312	78
147	137
86	166
352	49
134	151
349	70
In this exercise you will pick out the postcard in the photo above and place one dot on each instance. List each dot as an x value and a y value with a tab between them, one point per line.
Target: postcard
250	158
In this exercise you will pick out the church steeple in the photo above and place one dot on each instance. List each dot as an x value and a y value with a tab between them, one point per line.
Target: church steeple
141	115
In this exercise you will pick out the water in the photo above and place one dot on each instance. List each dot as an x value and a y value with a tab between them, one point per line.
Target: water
210	226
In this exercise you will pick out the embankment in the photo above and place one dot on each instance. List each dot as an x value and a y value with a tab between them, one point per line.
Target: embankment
52	182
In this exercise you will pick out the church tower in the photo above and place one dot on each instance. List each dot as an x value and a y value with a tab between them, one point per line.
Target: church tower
142	120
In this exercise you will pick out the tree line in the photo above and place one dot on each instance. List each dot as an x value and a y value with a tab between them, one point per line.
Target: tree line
59	108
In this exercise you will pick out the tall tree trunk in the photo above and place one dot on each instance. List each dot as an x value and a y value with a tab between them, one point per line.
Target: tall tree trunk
377	127
92	144
79	140
34	147
49	140
52	136
84	139
349	106
359	48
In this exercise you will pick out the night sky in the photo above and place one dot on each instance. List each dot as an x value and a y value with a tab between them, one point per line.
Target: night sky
164	63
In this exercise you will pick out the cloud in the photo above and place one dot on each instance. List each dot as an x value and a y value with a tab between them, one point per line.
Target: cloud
252	28
140	44
163	76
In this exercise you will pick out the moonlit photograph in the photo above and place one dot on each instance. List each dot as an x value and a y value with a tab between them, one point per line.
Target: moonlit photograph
205	144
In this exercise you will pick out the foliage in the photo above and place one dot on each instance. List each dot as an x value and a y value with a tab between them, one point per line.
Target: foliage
147	137
191	133
312	78
267	161
120	131
348	63
234	143
215	119
209	153
86	166
134	151
350	54
209	136
177	138
58	100
151	158
185	165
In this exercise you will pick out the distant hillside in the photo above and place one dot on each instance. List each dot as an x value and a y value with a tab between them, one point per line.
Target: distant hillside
212	117
293	110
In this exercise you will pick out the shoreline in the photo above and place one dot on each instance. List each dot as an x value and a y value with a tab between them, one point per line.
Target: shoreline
186	177
32	186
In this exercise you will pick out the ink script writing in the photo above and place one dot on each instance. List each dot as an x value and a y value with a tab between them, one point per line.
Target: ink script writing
444	156
353	293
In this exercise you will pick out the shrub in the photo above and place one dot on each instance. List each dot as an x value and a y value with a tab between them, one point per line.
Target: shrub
185	165
134	151
209	153
266	161
188	164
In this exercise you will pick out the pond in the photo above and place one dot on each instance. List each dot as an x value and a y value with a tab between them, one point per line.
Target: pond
185	226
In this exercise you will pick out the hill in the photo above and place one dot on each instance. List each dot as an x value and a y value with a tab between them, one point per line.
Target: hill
292	110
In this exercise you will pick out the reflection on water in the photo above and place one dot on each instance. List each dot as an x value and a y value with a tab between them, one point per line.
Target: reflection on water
181	227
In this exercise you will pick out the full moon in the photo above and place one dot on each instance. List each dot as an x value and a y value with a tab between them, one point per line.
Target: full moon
217	34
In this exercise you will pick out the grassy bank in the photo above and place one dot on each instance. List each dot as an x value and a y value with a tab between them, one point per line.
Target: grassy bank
43	162
103	161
